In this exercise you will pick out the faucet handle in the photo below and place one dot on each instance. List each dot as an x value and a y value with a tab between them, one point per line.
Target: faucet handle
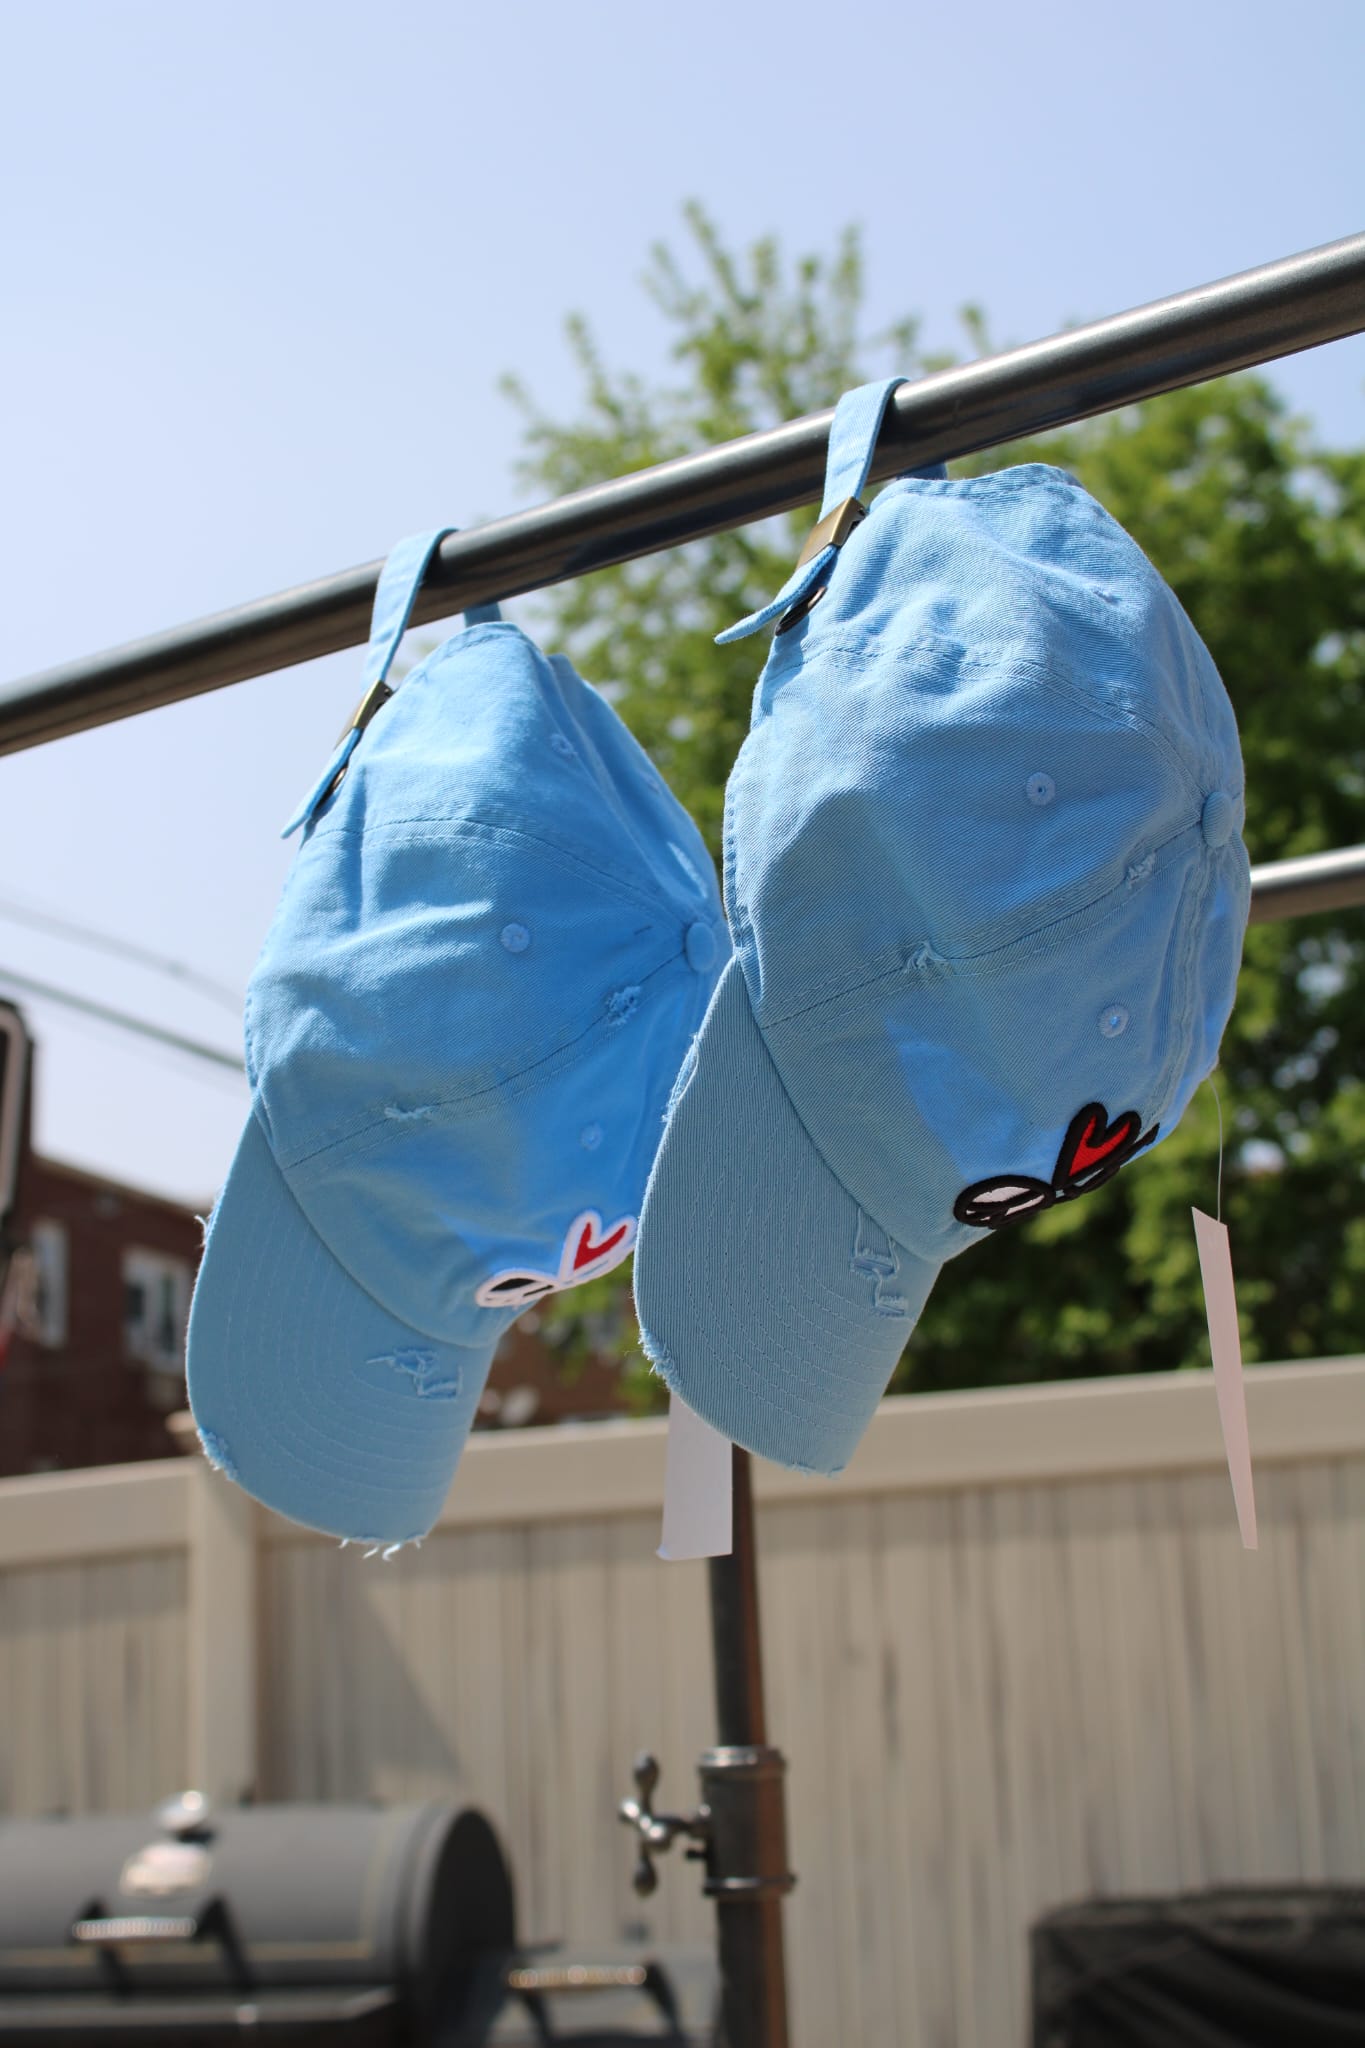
656	1832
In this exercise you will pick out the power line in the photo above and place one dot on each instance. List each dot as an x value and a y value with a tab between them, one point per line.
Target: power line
138	1025
49	921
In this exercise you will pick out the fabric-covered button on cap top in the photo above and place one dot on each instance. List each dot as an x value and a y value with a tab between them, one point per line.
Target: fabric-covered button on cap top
699	944
1218	819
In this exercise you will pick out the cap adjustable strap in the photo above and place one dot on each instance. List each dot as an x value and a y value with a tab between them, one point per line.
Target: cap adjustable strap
852	440
395	595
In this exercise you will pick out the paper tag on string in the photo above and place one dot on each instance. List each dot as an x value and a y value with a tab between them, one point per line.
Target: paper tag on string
1220	1304
697	1488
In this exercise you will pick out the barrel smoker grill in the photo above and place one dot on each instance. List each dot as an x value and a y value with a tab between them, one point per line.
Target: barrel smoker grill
378	1927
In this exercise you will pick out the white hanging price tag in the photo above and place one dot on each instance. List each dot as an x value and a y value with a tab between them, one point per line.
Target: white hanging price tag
1220	1304
697	1489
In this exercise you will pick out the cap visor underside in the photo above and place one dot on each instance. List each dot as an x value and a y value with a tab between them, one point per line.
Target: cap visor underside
308	1393
767	1299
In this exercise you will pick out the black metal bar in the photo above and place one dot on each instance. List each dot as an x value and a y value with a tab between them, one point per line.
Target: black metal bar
1282	307
741	1712
742	1789
1316	881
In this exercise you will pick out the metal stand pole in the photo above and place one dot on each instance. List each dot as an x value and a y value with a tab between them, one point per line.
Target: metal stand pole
742	1791
740	1828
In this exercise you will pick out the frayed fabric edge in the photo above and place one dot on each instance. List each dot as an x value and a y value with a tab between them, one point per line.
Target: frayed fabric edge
385	1552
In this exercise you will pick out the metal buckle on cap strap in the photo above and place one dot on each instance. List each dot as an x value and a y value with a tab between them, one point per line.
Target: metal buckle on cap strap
374	699
833	530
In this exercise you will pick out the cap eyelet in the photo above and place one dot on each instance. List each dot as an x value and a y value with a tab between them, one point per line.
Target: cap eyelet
1040	789
515	937
1113	1021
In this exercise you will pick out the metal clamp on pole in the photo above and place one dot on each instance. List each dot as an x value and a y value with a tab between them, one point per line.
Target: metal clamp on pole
746	1841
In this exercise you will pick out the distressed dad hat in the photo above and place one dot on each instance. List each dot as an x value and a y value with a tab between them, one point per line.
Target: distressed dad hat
987	895
495	942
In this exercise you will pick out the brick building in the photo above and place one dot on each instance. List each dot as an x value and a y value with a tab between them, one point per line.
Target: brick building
92	1326
95	1362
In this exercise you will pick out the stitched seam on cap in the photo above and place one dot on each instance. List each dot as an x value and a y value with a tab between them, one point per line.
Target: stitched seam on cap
901	655
462	821
372	1123
1198	884
1022	476
891	962
990	957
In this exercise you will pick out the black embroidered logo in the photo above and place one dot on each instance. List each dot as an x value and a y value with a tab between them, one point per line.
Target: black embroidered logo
1092	1152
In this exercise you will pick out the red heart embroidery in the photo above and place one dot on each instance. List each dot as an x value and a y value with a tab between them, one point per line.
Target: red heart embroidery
586	1253
1091	1138
584	1257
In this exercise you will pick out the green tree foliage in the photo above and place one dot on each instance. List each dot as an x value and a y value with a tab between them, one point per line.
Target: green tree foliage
1262	535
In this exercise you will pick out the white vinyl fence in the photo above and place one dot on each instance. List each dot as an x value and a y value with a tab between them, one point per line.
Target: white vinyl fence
1015	1656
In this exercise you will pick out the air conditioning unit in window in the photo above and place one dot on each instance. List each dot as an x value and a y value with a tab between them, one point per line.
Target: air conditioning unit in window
156	1307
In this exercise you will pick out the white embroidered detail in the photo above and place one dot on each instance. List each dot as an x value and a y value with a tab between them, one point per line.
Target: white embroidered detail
590	1248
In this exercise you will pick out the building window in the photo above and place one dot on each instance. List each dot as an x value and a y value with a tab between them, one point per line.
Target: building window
48	1311
156	1307
37	1285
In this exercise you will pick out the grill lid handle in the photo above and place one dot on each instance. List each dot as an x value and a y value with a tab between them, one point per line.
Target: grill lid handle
186	1815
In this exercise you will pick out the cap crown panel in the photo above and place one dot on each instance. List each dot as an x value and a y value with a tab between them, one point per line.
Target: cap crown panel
965	821
482	951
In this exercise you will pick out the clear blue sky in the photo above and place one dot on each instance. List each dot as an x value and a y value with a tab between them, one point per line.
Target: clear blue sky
264	263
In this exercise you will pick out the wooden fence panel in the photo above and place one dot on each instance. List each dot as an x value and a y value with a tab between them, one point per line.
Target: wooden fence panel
92	1685
1016	1656
521	1668
1002	1699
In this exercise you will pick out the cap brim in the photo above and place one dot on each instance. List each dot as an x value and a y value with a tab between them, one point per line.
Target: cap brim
305	1390
767	1298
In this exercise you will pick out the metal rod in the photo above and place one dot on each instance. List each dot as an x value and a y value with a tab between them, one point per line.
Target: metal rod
1317	881
1282	307
742	1786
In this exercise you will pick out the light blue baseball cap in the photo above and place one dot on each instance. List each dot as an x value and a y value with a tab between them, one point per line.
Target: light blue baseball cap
495	943
987	894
